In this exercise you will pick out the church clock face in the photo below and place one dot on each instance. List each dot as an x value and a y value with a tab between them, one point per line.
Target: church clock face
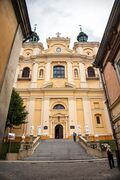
58	49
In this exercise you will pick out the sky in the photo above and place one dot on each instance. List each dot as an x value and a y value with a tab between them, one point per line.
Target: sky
65	16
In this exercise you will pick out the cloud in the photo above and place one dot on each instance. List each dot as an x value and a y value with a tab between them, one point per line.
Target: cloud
64	16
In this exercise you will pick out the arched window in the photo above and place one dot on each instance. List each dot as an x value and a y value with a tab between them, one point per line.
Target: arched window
58	106
91	72
75	73
98	118
58	72
41	73
26	72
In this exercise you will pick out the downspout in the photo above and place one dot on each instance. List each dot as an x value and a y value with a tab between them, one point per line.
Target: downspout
110	117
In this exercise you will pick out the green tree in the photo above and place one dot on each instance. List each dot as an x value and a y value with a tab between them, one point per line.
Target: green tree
17	113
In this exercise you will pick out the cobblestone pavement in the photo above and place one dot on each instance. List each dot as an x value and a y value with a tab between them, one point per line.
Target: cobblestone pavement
89	170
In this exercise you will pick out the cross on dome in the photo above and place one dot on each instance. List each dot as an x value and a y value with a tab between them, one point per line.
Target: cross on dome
35	25
58	34
80	28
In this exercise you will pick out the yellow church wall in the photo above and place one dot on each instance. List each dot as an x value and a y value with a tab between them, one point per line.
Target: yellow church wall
77	83
80	115
37	115
93	84
40	83
23	84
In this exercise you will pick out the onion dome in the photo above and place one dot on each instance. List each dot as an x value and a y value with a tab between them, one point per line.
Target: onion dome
34	36
82	37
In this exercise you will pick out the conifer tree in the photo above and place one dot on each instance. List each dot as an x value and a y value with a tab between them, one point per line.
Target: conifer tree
17	113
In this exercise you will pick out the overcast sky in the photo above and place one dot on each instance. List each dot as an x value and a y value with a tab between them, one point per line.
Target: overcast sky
65	16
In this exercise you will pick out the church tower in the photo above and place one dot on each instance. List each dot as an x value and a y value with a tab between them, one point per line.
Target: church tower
61	89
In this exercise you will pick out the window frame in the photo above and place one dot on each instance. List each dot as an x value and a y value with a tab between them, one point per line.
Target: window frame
23	71
89	70
58	74
58	108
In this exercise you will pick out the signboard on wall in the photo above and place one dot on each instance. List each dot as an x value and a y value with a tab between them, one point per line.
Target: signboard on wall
11	136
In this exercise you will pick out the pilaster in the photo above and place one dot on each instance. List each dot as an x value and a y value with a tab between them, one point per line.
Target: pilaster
83	82
31	109
47	72
87	115
34	75
45	115
70	75
72	113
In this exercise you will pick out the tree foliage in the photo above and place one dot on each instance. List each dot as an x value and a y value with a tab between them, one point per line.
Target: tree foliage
17	113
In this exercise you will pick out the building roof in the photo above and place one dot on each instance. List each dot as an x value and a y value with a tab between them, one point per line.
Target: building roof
110	29
22	16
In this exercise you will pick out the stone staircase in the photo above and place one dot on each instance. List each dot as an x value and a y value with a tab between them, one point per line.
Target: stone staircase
59	149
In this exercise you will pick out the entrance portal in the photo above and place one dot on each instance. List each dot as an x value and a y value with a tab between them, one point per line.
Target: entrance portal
59	132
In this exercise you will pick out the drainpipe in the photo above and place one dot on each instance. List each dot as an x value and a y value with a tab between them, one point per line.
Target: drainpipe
110	117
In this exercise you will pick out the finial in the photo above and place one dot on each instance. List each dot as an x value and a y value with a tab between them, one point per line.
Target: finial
35	25
58	34
80	28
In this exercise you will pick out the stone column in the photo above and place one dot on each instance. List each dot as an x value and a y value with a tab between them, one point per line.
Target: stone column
70	74
72	113
45	115
87	115
47	72
31	109
83	82
34	75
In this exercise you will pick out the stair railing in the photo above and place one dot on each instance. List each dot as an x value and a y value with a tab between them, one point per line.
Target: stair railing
92	148
27	149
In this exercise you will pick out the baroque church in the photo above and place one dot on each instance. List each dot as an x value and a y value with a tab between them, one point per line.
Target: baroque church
61	89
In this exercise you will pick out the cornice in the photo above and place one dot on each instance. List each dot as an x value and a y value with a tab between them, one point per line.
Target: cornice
60	56
33	45
92	90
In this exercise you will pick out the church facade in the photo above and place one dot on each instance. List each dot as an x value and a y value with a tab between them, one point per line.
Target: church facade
62	91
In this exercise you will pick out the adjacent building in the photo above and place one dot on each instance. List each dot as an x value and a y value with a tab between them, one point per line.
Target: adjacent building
62	92
15	27
108	61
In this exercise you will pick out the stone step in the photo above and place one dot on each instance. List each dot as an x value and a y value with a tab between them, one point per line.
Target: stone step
59	149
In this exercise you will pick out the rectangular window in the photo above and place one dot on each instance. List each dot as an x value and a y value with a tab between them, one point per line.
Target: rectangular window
58	72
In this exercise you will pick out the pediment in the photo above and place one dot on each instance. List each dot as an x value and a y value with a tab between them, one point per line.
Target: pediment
58	49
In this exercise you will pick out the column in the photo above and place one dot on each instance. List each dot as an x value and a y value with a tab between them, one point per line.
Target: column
47	72
45	115
83	82
34	75
70	74
87	115
31	109
72	113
